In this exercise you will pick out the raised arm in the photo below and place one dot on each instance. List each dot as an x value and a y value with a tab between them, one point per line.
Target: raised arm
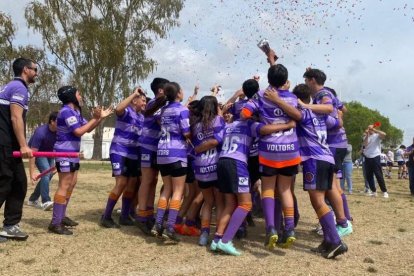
273	96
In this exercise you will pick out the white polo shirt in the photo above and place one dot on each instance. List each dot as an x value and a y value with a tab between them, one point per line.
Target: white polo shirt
373	147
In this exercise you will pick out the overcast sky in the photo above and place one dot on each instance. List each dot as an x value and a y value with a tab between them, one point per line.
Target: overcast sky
366	48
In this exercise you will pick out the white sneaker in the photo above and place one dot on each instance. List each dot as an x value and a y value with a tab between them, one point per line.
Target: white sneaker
373	194
386	195
34	203
47	205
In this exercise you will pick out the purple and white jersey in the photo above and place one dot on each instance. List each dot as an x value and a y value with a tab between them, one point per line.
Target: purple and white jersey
238	138
236	108
205	163
151	130
336	136
43	139
312	135
175	122
14	92
128	129
278	149
68	120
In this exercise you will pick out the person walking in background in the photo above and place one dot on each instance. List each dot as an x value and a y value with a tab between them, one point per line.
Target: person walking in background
347	167
383	162
372	151
390	163
43	139
409	153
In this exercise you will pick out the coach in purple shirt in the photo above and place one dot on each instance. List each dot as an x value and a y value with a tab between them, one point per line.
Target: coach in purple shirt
43	139
13	182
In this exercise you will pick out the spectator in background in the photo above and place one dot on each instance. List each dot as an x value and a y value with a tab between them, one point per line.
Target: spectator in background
409	153
399	157
347	167
372	151
383	161
43	139
390	163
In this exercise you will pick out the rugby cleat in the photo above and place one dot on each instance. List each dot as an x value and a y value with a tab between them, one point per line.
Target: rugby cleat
228	248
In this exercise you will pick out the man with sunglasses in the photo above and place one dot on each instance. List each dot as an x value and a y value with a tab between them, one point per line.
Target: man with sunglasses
13	182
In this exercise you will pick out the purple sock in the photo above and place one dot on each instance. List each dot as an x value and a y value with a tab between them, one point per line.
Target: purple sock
289	223
346	208
217	237
126	206
342	222
269	212
58	213
329	230
160	216
205	229
109	208
278	216
172	217
236	220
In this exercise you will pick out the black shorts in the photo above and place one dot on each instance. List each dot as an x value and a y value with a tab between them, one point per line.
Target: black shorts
207	184
390	164
287	171
124	166
148	159
190	177
233	176
383	164
66	166
339	156
175	169
317	175
400	163
253	168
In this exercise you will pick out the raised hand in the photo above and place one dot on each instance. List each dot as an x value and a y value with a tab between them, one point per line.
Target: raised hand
272	95
106	112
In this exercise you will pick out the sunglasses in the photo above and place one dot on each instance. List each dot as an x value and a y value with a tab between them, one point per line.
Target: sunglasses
33	68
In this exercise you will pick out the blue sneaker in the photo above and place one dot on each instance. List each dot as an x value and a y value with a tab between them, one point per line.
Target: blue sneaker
344	231
213	245
228	248
287	239
203	240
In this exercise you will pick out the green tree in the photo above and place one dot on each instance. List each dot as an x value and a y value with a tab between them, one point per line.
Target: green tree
44	90
102	44
357	119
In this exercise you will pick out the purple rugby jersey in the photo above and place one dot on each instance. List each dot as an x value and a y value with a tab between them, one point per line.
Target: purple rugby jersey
43	139
238	138
205	163
282	146
68	120
151	130
128	129
175	122
336	136
14	92
312	135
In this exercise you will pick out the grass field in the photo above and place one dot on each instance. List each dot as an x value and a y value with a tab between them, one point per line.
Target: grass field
382	242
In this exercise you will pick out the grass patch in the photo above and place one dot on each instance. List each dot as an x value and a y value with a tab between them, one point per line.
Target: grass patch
372	269
402	230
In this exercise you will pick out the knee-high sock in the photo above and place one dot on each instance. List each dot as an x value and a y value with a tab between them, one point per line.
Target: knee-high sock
173	213
326	218
288	214
59	203
162	205
346	208
236	220
268	204
110	204
127	198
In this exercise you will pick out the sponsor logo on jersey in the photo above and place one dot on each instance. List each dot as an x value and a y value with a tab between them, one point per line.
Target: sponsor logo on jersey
71	120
